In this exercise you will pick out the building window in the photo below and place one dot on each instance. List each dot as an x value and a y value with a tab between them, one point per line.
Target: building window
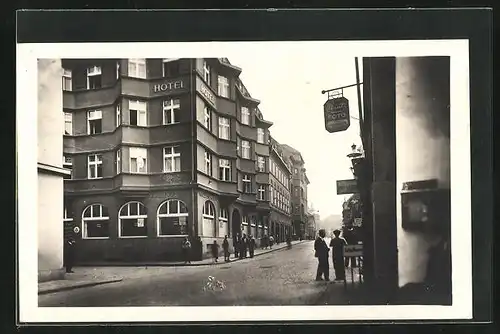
68	123
95	166
117	70
132	219
66	217
171	111
224	170
138	113
245	149
68	164
138	160
118	114
260	136
223	222
247	183
118	161
137	68
66	80
261	164
94	122
262	192
223	87
95	222
171	159
224	128
170	67
207	120
245	116
207	73
94	77
172	218
208	163
208	219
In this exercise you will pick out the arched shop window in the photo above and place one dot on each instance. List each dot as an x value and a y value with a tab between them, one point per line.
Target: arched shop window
172	219
132	219
209	219
95	222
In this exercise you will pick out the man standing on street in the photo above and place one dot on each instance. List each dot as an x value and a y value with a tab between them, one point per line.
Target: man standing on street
337	244
321	252
69	255
225	247
251	246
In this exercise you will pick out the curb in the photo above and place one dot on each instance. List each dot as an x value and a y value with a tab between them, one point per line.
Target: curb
78	286
195	264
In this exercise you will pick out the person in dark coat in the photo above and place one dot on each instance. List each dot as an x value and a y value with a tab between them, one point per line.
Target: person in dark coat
321	251
215	251
244	247
251	246
337	243
69	255
237	245
186	250
225	247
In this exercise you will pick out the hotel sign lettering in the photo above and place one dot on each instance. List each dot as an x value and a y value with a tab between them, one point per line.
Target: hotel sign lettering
345	187
205	91
337	116
168	86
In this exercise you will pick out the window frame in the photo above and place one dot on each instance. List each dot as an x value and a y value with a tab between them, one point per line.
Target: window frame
246	149
138	216
137	156
208	162
224	126
139	63
207	118
96	71
172	155
245	115
168	214
175	105
67	74
118	113
223	87
118	161
246	179
261	136
261	192
134	105
223	168
106	219
68	116
93	118
261	164
207	73
94	164
168	61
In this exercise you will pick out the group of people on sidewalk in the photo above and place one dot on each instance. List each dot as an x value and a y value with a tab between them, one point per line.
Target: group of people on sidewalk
244	246
322	250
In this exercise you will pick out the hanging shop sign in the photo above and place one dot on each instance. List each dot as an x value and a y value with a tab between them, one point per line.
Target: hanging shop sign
345	187
337	116
357	222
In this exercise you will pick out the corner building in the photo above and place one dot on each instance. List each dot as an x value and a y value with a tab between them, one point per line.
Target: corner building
160	150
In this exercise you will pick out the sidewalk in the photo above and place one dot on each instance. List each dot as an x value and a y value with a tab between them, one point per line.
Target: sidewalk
90	276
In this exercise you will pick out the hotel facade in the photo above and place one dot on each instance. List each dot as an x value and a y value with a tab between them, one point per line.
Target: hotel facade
164	149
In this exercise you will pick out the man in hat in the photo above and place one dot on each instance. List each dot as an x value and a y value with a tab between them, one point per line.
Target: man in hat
321	252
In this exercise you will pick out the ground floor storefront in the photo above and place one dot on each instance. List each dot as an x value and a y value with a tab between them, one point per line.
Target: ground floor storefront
151	226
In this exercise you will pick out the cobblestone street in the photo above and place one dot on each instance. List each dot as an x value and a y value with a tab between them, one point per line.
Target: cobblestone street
284	277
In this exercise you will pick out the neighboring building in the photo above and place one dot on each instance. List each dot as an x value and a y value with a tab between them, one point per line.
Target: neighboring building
299	189
50	170
280	179
405	176
312	221
160	150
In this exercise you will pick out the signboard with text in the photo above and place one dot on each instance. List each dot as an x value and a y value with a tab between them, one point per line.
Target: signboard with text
345	187
337	116
167	86
353	250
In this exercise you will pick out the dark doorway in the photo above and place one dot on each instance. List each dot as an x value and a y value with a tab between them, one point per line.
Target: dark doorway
235	223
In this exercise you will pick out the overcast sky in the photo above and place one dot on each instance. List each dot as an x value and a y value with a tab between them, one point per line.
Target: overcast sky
289	88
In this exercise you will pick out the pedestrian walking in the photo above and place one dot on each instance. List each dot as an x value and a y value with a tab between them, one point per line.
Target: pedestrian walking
321	251
225	247
337	243
186	250
69	255
271	241
251	246
215	251
244	246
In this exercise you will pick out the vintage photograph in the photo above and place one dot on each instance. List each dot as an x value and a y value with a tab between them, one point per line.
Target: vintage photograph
275	176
